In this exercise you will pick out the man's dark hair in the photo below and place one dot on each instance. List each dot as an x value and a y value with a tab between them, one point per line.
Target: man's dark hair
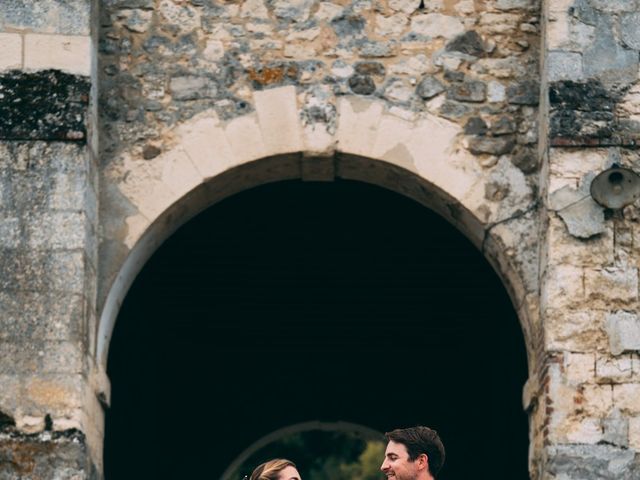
419	440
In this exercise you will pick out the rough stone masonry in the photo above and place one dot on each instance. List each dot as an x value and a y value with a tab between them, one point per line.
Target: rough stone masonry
119	119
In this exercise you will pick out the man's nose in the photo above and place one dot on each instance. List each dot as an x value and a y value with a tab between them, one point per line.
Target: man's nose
384	466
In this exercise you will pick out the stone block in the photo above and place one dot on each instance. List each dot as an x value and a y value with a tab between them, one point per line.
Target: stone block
70	54
42	270
358	121
41	315
607	60
563	287
576	163
567	249
29	356
613	369
192	87
206	145
468	91
71	17
585	430
596	400
245	137
623	330
626	397
579	367
581	462
11	52
612	286
57	230
436	25
578	331
564	66
178	173
393	132
616	429
279	119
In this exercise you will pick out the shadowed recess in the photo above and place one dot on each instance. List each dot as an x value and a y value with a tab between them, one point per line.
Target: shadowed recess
299	301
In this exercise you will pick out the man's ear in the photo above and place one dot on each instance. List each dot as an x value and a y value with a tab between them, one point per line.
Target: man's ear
422	461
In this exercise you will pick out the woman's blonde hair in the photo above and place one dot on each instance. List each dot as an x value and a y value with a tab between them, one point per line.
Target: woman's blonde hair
270	470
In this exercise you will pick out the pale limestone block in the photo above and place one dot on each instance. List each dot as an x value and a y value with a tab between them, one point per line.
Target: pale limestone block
358	120
634	432
560	5
245	138
327	11
434	25
254	9
499	22
390	26
318	141
558	31
10	51
214	50
623	330
178	173
29	424
635	366
562	398
579	367
142	186
596	400
204	141
611	286
578	331
613	369
432	145
576	163
185	17
136	226
71	54
563	286
584	430
626	397
277	111
569	250
392	133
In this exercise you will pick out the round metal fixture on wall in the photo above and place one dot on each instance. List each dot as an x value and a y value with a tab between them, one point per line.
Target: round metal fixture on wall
616	187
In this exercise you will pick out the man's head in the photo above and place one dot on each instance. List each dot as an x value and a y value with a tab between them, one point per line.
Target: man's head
413	454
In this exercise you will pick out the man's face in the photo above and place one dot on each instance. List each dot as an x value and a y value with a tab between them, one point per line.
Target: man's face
396	465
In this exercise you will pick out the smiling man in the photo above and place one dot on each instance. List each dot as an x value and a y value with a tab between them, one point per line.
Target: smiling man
413	453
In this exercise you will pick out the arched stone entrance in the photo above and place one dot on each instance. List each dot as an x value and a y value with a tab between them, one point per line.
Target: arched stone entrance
382	344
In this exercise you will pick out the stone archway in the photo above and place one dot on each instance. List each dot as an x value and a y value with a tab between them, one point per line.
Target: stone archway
493	205
144	202
137	331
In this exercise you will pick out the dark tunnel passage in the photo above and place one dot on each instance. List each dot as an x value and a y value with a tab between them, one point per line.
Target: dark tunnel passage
299	301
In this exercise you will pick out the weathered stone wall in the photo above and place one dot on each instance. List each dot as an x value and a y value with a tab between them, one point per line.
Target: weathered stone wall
192	101
590	384
49	416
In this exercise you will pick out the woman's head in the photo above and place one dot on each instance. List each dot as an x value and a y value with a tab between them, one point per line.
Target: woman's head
276	469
